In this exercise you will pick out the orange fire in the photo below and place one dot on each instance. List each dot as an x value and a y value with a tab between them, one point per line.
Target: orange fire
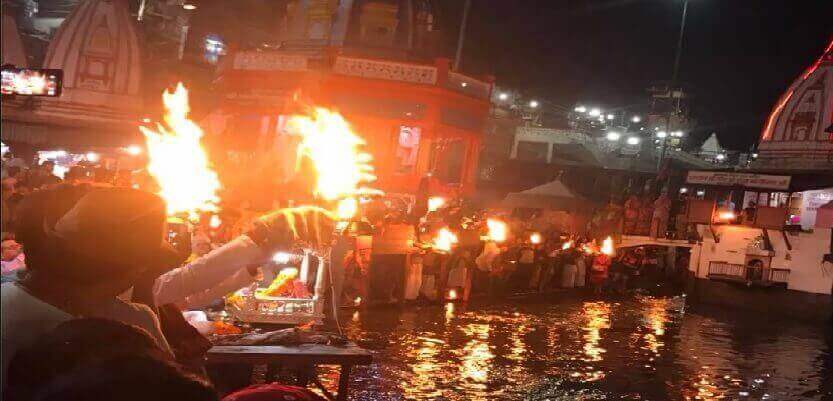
444	240
342	168
498	232
607	247
535	238
726	215
178	161
435	203
281	283
347	208
567	245
452	294
589	249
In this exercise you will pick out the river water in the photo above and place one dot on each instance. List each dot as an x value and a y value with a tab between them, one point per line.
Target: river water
564	347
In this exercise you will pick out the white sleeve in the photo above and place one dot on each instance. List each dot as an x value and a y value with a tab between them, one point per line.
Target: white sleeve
485	260
198	300
205	272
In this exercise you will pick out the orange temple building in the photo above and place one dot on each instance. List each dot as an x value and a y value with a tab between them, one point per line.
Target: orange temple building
373	61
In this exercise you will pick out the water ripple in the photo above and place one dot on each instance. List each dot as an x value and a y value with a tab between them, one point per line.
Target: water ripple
647	348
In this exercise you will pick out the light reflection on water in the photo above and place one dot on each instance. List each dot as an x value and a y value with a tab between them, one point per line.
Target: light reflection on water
425	368
637	348
656	315
597	316
475	361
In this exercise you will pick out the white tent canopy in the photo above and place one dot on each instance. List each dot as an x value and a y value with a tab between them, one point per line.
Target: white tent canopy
552	195
711	146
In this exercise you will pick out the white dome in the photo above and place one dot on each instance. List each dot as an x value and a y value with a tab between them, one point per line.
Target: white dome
97	47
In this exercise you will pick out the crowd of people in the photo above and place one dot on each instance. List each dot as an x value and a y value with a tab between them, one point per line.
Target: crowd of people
96	272
535	253
94	307
19	179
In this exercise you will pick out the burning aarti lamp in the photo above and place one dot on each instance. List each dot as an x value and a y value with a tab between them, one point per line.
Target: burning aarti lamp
535	238
498	231
444	240
726	216
435	203
607	247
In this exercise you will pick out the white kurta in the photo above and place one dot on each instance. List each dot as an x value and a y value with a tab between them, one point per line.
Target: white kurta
217	273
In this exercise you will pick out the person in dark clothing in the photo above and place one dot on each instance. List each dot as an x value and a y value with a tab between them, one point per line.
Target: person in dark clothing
100	359
42	176
749	212
86	246
521	277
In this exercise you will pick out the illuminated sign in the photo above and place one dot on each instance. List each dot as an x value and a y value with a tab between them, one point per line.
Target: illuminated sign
777	182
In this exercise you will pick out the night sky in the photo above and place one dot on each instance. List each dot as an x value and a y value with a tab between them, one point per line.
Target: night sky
739	55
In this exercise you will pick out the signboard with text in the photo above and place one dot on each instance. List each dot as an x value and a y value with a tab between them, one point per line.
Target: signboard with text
269	61
764	181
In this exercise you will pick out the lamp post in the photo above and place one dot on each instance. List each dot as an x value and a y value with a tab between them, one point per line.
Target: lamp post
679	44
462	37
673	83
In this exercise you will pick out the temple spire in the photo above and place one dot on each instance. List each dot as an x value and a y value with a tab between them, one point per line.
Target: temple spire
795	134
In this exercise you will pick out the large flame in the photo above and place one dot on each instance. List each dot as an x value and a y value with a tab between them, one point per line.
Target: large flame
535	238
347	208
607	247
342	168
498	232
435	203
444	240
178	161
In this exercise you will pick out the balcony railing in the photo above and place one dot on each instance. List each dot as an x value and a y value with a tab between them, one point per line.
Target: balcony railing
748	274
269	61
779	275
387	70
724	269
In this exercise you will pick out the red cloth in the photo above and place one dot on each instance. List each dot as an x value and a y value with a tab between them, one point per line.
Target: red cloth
599	269
273	392
632	206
